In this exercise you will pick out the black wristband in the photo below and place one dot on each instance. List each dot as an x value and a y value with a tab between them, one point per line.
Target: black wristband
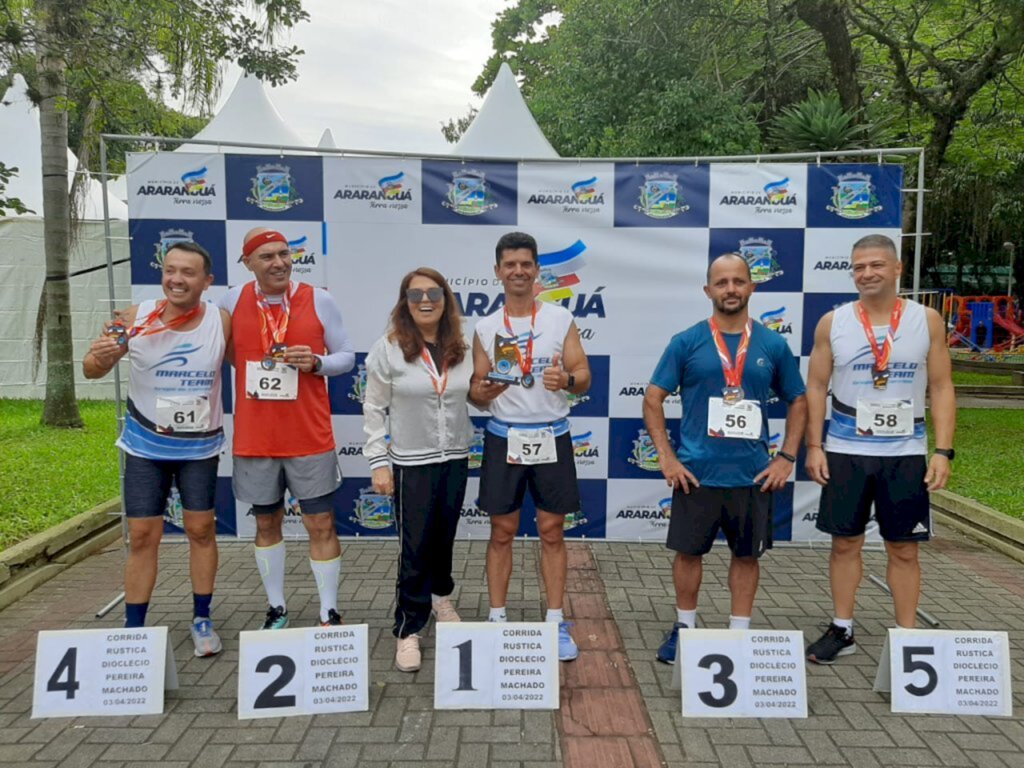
787	456
570	382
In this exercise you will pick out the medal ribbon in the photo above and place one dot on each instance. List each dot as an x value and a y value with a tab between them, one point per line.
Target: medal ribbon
271	331
146	327
525	362
440	381
881	354
732	370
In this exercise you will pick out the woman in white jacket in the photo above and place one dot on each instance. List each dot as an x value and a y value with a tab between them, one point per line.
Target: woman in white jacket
417	382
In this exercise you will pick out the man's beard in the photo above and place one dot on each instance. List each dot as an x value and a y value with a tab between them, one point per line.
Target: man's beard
721	307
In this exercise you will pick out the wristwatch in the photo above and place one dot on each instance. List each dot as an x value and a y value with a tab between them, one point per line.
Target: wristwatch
318	363
570	382
949	453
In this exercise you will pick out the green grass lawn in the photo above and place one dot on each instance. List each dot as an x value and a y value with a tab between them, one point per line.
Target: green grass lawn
49	475
970	378
989	464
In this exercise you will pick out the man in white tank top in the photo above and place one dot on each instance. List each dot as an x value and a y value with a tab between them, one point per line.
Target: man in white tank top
173	430
881	354
526	358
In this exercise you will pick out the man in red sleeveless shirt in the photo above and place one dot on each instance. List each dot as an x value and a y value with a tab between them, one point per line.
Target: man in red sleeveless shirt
287	339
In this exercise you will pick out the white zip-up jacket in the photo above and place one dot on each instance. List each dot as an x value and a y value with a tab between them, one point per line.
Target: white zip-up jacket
400	397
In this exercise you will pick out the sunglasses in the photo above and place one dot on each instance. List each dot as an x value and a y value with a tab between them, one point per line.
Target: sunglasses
415	295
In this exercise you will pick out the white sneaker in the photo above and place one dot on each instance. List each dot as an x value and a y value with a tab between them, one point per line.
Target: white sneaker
443	610
205	639
407	655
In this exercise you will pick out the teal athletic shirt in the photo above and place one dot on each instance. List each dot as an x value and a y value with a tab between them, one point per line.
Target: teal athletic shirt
691	364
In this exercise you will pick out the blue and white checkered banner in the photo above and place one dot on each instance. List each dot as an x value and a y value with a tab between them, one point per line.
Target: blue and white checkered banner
624	246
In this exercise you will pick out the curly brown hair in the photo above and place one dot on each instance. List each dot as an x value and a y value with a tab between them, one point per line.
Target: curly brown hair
449	332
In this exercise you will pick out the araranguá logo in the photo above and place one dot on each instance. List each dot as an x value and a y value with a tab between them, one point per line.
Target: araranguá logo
659	196
168	239
468	194
760	256
272	189
372	510
853	196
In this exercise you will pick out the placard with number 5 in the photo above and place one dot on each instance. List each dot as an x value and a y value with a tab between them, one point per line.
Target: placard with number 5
939	671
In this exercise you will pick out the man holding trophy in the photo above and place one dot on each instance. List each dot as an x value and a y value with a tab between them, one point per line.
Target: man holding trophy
527	357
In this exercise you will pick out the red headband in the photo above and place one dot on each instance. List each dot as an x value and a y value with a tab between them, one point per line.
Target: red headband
254	242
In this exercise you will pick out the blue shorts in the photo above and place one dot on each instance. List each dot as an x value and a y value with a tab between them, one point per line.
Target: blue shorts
147	484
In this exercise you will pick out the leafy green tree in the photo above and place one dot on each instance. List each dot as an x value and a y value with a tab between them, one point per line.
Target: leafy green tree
151	44
9	203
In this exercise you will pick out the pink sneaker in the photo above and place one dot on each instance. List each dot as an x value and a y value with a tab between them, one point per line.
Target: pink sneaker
443	610
407	656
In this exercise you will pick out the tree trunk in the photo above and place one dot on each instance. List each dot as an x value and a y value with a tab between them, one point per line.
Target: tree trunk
828	19
60	408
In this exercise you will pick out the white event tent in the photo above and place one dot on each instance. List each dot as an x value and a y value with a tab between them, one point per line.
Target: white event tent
248	116
504	126
23	263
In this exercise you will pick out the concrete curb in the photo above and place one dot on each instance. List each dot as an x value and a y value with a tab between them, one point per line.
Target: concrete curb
39	558
1003	392
1000	532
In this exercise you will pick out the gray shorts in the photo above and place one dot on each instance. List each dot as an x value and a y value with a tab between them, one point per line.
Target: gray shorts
258	480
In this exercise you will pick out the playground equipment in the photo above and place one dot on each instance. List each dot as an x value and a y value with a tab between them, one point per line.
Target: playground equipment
984	323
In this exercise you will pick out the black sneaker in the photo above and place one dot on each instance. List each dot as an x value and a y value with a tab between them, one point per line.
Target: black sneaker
277	618
333	619
667	650
834	643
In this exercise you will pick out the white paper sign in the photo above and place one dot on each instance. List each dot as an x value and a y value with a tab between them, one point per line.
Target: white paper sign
885	418
947	672
740	420
279	383
490	665
742	673
305	671
90	672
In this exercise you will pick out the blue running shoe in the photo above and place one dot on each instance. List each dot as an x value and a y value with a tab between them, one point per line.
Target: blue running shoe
667	650
567	650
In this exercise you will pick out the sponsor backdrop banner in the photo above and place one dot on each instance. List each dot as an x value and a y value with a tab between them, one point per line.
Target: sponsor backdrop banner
625	247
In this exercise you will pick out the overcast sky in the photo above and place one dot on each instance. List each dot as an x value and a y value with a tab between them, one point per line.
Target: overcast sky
385	74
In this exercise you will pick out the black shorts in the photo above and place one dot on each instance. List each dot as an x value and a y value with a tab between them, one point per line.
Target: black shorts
147	484
552	486
895	484
744	514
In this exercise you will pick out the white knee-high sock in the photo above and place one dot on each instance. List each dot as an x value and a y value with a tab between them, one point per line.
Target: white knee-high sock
327	574
270	561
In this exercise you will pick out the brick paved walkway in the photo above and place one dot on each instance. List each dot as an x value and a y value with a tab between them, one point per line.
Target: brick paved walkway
618	705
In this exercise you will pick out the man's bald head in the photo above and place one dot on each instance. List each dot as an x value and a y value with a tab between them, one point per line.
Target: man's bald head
253	232
727	258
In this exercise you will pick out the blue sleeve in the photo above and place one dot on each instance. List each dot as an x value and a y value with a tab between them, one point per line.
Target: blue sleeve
788	383
669	372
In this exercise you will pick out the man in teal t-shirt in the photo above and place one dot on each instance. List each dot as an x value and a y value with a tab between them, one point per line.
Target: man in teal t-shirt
726	369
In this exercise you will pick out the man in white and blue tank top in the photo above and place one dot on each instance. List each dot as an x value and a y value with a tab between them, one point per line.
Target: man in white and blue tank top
173	430
527	358
882	355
